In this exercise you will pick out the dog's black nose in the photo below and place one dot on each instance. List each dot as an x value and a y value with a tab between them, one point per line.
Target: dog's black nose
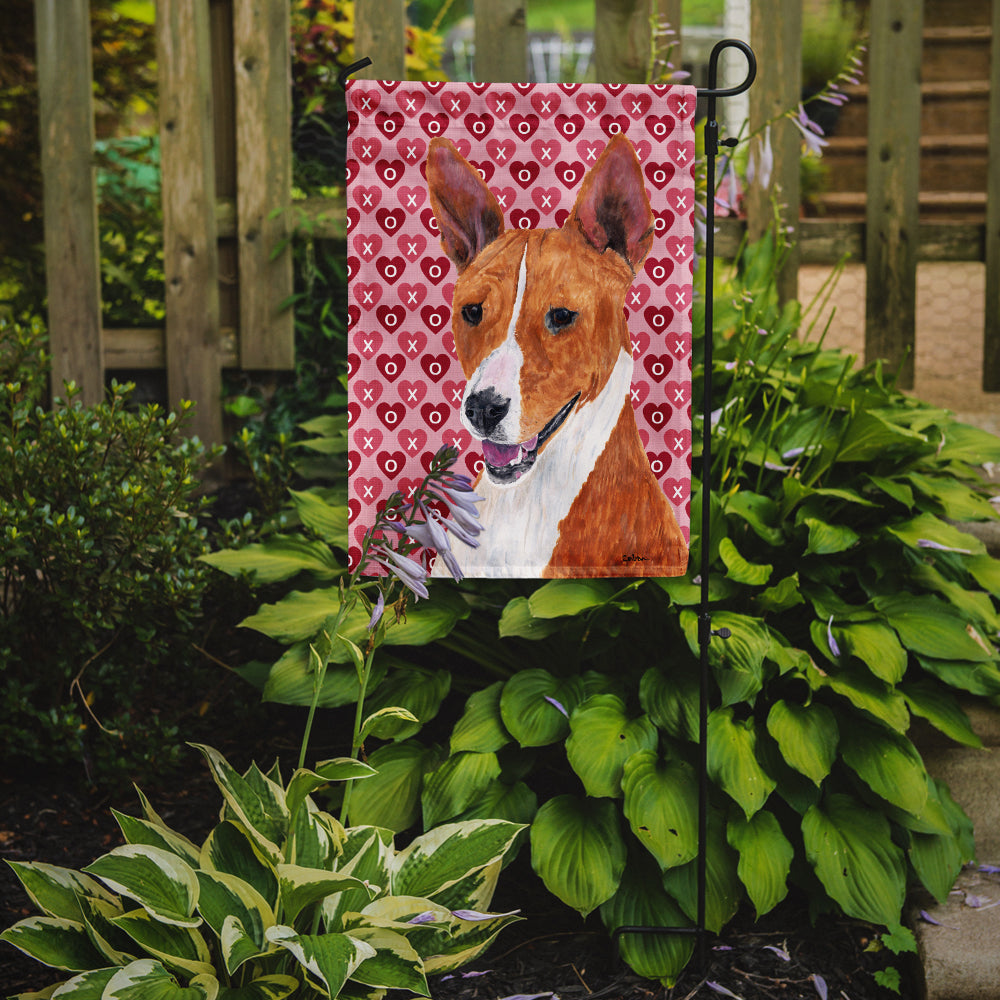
485	409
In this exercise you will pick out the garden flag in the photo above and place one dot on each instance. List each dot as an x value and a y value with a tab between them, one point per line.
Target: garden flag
520	262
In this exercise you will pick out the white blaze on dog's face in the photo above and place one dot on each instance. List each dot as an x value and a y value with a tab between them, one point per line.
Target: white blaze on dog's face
537	315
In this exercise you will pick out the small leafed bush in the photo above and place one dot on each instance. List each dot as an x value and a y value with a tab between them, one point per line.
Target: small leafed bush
280	899
99	574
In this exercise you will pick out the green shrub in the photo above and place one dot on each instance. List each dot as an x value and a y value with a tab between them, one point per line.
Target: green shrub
99	541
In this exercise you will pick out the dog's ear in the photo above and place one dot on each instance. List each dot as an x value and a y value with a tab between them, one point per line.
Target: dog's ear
466	211
612	210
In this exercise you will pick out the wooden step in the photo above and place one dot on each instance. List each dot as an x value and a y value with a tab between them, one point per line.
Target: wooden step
956	53
940	13
957	206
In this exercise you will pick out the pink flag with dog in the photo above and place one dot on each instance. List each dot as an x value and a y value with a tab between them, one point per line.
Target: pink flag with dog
520	261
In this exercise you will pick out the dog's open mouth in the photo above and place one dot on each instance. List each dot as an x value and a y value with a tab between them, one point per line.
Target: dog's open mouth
506	463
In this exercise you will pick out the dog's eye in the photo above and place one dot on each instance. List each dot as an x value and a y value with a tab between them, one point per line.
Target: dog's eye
557	319
473	313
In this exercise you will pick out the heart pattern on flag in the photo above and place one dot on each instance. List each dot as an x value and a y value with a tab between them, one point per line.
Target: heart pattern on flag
532	144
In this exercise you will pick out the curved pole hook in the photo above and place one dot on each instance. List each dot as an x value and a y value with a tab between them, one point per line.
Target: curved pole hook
353	68
712	90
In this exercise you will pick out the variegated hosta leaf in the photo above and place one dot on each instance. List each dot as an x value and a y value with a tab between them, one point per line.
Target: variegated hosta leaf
732	760
441	857
315	838
56	891
147	979
116	946
229	848
54	941
158	880
395	964
850	847
274	987
807	736
481	727
456	784
225	897
367	853
476	890
765	858
177	947
602	737
578	851
300	887
661	800
535	706
87	986
468	939
141	831
304	782
329	959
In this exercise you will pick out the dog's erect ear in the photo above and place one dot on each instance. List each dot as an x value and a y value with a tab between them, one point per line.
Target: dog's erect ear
612	210
467	213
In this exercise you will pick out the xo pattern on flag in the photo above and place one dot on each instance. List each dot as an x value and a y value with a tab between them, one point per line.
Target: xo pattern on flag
532	145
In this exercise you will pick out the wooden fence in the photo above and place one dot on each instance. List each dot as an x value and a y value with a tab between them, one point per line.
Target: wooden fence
226	161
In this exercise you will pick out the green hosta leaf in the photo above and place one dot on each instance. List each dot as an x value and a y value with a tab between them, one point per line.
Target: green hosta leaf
301	887
758	511
304	782
180	948
876	646
986	572
279	558
765	858
864	692
894	489
230	849
807	736
671	699
98	916
159	881
888	763
517	620
275	987
828	539
602	738
291	680
559	598
976	678
661	799
931	628
466	941
870	436
578	851
417	690
956	500
738	569
391	798
965	443
481	728
783	595
438	859
330	959
975	605
515	803
732	760
327	520
395	964
641	901
386	723
141	831
928	528
367	854
147	979
56	891
54	941
528	710
738	661
87	986
941	709
850	848
937	859
225	897
456	784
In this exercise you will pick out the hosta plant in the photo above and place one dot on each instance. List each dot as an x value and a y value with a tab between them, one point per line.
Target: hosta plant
279	900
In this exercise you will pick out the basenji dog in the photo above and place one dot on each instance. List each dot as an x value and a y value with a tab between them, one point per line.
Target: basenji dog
540	333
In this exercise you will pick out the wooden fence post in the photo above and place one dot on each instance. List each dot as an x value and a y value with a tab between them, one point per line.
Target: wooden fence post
380	34
776	34
262	61
501	41
72	255
190	251
892	215
667	14
622	40
991	331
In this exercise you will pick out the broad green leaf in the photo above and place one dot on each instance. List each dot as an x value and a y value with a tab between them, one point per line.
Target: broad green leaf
870	436
671	699
56	891
481	728
807	736
559	598
304	782
147	979
976	678
438	859
273	987
965	443
225	897
391	798
301	887
732	760
177	947
327	520
866	692
975	605
937	860
578	851
279	558
238	944
941	709
163	884
876	646
928	528
98	916
420	691
142	831
517	620
739	569
602	738
395	964
888	763
956	500
516	803
783	595
54	941
330	959
765	858
466	941
230	849
931	628
385	723
986	571
456	785
87	986
530	706
661	800
828	539
366	855
738	661
894	489
850	848
640	901
758	511
292	681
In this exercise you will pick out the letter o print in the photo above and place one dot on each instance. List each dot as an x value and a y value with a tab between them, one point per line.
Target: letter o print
391	467
659	176
391	272
391	417
433	127
614	128
390	176
391	369
524	128
478	465
435	271
524	176
659	224
659	129
435	417
659	321
656	418
524	223
659	272
656	369
657	466
569	177
435	368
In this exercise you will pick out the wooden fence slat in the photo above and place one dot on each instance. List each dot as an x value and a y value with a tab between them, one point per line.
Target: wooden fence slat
776	36
621	40
991	331
190	253
380	34
501	41
261	57
892	215
668	15
72	255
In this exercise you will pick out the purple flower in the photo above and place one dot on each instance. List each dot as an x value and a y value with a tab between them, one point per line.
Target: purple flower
927	543
377	612
719	988
558	705
820	983
427	917
834	648
761	162
476	915
409	572
811	132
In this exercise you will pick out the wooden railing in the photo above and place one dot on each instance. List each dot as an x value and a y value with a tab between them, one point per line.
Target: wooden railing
226	160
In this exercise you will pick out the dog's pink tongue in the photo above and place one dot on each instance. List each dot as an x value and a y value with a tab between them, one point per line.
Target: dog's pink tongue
499	455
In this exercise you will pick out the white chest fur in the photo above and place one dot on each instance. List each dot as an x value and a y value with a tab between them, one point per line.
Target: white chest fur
521	521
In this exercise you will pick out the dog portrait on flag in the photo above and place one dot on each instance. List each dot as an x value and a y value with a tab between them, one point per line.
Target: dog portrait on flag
520	261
